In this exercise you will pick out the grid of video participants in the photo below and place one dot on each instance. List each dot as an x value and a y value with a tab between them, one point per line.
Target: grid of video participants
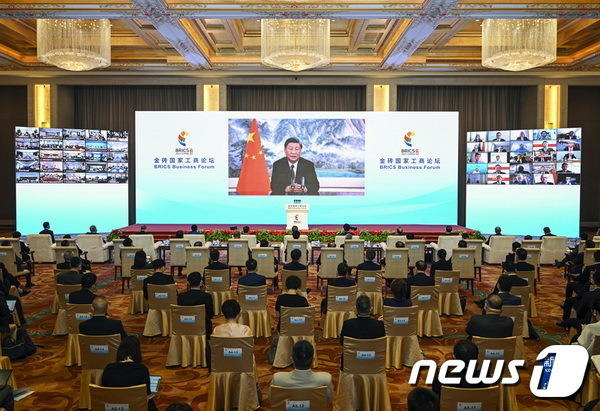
62	155
510	157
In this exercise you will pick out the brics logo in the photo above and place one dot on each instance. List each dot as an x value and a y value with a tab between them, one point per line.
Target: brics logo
181	137
408	138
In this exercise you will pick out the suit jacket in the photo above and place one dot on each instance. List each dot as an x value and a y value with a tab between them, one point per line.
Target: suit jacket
157	278
294	266
584	312
64	265
584	277
100	325
282	176
69	278
515	281
199	297
524	266
419	279
445	265
369	266
363	328
48	232
83	296
490	326
303	379
217	266
252	280
509	299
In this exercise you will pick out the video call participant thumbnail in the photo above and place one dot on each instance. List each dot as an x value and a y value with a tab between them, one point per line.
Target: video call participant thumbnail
294	174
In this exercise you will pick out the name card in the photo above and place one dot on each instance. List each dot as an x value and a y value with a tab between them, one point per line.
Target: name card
237	246
3	255
469	406
216	279
141	277
331	256
130	255
446	280
296	246
196	255
262	256
98	349
531	246
252	297
161	296
67	297
463	256
490	353
354	246
232	352
369	279
424	297
121	246
400	320
365	355
397	257
83	316
472	246
187	318
179	245
513	318
528	257
297	320
415	247
297	405
341	298
116	407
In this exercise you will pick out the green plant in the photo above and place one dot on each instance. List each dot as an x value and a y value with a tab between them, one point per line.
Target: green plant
263	235
315	235
113	235
473	235
219	235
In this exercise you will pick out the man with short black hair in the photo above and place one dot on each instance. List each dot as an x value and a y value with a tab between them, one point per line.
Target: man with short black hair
127	242
441	263
510	257
295	264
504	287
448	230
47	230
215	255
522	264
363	326
143	230
341	280
419	279
491	324
196	296
24	249
547	233
252	279
159	277
99	324
293	174
73	276
422	399
583	307
465	351
291	297
85	295
580	283
194	229
368	264
245	229
497	231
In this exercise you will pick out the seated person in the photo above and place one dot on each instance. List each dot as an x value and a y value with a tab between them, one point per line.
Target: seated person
231	311
583	306
441	263
140	261
252	278
65	265
363	326
547	233
265	243
580	283
99	324
491	324
504	287
420	278
8	280
302	376
401	297
6	317
11	279
423	399
291	297
194	229
47	230
179	234
466	351
86	265
159	277
522	264
515	280
85	295
448	230
198	244
128	371
342	280
196	296
368	264
295	264
25	251
214	263
73	276
497	231
295	236
588	335
143	230
584	243
127	242
462	244
510	257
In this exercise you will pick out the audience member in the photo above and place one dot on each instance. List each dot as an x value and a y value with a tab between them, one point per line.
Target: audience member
547	233
231	311
491	324
215	264
441	263
515	280
510	257
143	230
465	351
522	264
65	265
423	399
401	297
245	230
196	296
72	276
295	264
85	295
341	280
580	283
368	264
420	278
127	242
582	305
140	261
504	286
47	230
99	324
194	229
291	297
252	278
159	277
25	256
363	326
497	231
179	234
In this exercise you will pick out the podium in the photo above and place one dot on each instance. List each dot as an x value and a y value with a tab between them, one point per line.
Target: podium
297	215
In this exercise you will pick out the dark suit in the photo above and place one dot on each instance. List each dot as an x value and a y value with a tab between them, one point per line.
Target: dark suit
369	266
294	266
100	325
584	312
83	296
157	278
252	280
515	281
524	266
393	302
69	278
64	265
48	232
217	266
282	176
362	328
490	326
199	297
445	265
419	279
509	299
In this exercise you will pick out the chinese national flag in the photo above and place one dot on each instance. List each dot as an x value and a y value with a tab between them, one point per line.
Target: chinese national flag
254	177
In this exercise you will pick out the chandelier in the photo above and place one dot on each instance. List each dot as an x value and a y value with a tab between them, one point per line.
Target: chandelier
74	44
294	44
518	44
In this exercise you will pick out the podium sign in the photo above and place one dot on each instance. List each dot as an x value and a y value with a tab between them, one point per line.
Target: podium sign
297	215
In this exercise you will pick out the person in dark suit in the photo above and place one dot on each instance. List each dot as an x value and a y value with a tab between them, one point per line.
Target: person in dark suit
515	280
465	351
341	280
159	277
547	233
65	265
583	306
214	262
292	296
295	264
73	276
368	264
47	230
140	262
346	229
363	326
498	231
491	324
293	174
422	399
579	281
504	286
25	256
196	296
85	295
252	279
99	324
522	264
441	263
143	230
420	278
401	297
510	257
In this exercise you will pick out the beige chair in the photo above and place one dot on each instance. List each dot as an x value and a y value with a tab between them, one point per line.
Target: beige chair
41	245
137	302
97	351
330	259
196	259
302	275
396	263
449	301
59	252
478	246
452	398
218	284
264	257
118	398
390	242
339	240
178	255
401	337
296	324
62	298
194	238
527	299
233	378
530	277
531	244
286	238
518	313
428	317
416	251
445	242
127	259
160	299
188	336
284	399
533	258
14	243
553	248
369	283
8	257
237	252
499	246
54	306
76	314
251	240
591	388
301	245
464	261
94	246
255	313
146	241
363	382
117	245
354	251
340	306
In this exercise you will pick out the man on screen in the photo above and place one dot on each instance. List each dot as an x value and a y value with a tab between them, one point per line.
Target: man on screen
544	179
499	180
294	174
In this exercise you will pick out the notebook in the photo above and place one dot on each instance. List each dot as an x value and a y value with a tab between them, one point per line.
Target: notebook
154	383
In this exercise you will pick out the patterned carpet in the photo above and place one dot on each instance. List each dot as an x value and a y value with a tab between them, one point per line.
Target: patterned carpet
57	387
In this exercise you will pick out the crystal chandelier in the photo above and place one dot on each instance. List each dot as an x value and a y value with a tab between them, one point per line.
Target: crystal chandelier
294	44
518	44
74	44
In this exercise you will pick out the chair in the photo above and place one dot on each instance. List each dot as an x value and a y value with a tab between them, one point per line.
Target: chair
401	337
391	241
354	252
59	252
14	243
94	246
178	254
416	251
97	351
533	258
531	244
118	398
127	259
396	263
233	378
553	248
590	389
340	306
428	317
518	313
218	284
464	261
8	257
296	324
369	283
137	302
146	241
301	245
527	299
193	238
264	256
5	364
117	244
339	240
330	258
363	382
530	277
499	246
452	398
445	242
76	314
255	313
449	301
54	306
196	259
62	298
478	246
284	399
160	299
251	239
188	336
302	274
237	252
41	244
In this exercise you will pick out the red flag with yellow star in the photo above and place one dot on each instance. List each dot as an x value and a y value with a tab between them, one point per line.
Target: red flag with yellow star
254	176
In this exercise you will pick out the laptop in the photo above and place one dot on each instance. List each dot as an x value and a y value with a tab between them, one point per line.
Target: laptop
154	383
11	304
4	376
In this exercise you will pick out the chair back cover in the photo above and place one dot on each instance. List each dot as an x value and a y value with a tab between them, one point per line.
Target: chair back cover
302	274
264	257
330	259
354	251
237	252
232	354
425	297
161	297
97	351
478	246
495	349
297	321
146	241
15	243
117	245
396	263
8	258
553	248
76	314
286	399
516	313
196	258
400	321
453	399
217	280
193	238
137	278
364	356
391	240
463	260
447	281
341	298
119	398
251	239
177	249
531	244
63	291
299	244
188	320
523	292
416	251
127	259
252	298
368	281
